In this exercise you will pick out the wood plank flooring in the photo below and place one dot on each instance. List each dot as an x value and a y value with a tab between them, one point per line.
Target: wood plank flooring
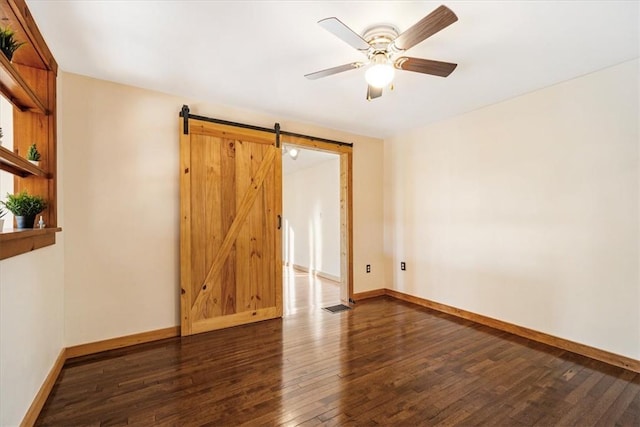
385	362
303	291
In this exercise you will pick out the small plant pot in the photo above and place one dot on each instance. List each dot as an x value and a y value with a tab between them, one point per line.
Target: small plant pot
8	54
1	224
25	221
35	162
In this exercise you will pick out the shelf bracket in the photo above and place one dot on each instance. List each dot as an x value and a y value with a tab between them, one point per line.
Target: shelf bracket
185	117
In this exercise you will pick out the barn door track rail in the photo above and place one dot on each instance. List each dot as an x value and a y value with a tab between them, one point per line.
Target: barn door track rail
186	115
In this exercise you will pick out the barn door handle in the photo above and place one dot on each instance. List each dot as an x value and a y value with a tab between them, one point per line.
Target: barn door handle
279	222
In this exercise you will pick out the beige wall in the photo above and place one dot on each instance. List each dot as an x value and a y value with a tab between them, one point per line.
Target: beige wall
121	193
31	326
527	210
122	204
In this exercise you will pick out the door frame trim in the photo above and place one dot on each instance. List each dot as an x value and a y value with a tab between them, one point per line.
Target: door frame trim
345	151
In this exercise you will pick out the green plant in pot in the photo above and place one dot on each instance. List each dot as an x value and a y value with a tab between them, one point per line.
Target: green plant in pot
8	42
24	207
33	155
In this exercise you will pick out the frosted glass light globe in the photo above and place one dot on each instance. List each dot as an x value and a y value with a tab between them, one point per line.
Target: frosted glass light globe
380	75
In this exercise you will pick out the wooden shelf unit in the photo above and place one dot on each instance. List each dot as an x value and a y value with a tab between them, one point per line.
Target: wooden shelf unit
29	83
15	88
15	242
12	163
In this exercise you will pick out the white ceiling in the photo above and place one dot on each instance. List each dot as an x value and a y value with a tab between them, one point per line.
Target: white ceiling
253	54
306	159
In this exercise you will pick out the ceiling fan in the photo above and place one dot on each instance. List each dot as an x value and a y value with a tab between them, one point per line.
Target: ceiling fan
382	44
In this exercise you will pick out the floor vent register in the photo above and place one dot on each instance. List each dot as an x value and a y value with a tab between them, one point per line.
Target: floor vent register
337	308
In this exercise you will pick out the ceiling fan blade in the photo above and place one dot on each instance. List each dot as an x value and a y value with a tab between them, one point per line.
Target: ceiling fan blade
437	20
425	66
373	92
344	33
334	70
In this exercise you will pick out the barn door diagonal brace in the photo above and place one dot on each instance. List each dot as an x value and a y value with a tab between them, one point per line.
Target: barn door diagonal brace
234	229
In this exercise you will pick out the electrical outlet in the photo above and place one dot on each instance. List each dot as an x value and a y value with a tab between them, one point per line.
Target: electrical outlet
368	268
403	266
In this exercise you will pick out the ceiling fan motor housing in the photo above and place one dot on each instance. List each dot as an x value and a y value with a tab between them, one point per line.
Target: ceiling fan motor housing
380	36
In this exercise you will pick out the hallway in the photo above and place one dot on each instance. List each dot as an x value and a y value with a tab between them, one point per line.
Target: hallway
304	291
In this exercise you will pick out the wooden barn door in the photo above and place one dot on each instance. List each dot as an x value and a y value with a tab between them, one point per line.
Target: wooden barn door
231	261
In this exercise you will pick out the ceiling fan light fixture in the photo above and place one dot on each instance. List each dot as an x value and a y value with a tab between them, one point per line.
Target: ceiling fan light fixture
383	44
381	73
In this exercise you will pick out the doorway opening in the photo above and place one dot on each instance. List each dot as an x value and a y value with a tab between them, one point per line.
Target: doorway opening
316	226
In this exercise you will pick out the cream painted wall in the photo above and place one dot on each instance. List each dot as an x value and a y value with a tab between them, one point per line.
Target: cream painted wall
31	326
527	210
122	204
31	317
311	215
121	193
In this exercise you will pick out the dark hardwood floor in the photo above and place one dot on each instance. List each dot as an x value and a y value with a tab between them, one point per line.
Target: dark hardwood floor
384	362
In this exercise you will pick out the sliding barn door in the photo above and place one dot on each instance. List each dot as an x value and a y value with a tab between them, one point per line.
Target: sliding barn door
231	264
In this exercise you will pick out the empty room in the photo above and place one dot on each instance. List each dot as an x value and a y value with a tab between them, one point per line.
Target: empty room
319	213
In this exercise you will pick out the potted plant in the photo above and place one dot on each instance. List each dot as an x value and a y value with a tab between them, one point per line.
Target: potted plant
25	207
33	155
2	214
8	43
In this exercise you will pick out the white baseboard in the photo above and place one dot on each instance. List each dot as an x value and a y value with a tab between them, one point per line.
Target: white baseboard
317	273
